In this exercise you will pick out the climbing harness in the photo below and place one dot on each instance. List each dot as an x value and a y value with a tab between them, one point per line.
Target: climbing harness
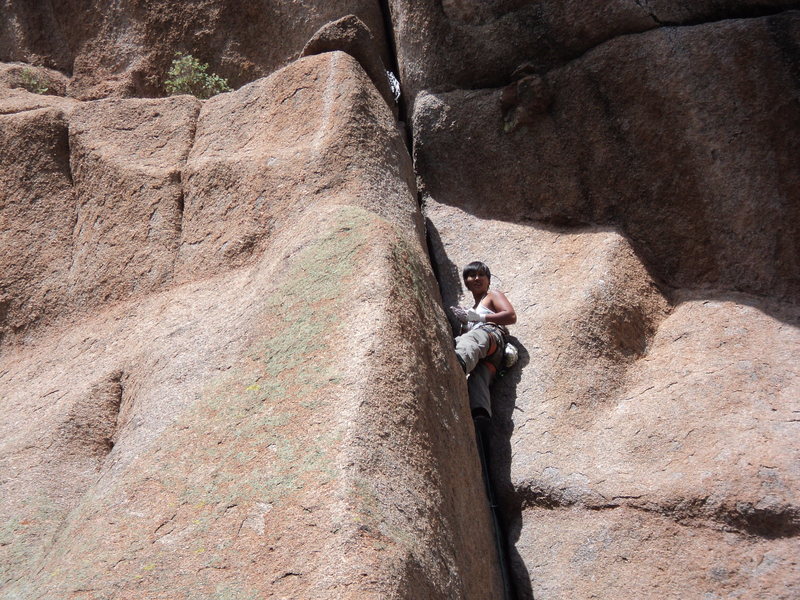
494	331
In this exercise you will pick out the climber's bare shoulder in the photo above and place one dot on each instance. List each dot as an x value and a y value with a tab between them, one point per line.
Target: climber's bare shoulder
502	307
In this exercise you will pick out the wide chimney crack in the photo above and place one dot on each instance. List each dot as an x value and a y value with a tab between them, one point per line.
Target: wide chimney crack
394	66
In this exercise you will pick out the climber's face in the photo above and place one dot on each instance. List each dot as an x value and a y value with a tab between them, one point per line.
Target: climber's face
477	283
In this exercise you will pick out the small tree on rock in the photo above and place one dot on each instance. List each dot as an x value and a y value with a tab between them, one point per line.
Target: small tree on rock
32	81
188	75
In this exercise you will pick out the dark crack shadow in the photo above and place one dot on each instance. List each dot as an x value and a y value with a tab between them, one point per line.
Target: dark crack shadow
504	403
446	272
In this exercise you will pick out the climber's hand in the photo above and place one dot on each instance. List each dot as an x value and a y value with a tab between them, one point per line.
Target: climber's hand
459	313
473	315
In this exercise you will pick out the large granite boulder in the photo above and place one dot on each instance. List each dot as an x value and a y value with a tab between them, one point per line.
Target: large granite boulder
676	136
350	34
277	411
470	44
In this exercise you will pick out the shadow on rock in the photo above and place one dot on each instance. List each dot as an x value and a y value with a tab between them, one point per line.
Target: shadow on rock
504	394
446	272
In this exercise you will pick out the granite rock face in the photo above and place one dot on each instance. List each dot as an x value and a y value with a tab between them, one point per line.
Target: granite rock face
125	49
225	371
631	184
237	410
470	44
674	136
642	446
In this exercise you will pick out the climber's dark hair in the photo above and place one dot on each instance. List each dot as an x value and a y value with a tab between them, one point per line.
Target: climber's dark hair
476	268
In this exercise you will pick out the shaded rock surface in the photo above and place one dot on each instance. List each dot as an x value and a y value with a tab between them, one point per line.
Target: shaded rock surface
475	43
676	136
126	48
469	44
227	423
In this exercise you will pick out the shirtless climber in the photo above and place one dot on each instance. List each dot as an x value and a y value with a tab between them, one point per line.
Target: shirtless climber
481	346
482	349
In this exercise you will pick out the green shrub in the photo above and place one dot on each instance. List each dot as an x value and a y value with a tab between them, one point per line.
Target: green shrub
33	81
187	75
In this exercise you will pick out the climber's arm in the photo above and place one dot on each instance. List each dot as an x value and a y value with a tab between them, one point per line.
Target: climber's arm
504	313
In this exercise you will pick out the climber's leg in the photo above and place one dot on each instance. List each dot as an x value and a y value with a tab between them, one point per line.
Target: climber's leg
478	385
473	346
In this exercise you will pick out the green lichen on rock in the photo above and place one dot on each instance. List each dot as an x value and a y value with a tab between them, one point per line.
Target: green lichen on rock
228	592
257	413
410	269
418	296
38	518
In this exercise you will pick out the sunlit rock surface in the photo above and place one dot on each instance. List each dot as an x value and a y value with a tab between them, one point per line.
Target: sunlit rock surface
225	371
640	445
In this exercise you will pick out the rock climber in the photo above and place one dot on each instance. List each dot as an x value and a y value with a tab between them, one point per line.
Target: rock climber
481	347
